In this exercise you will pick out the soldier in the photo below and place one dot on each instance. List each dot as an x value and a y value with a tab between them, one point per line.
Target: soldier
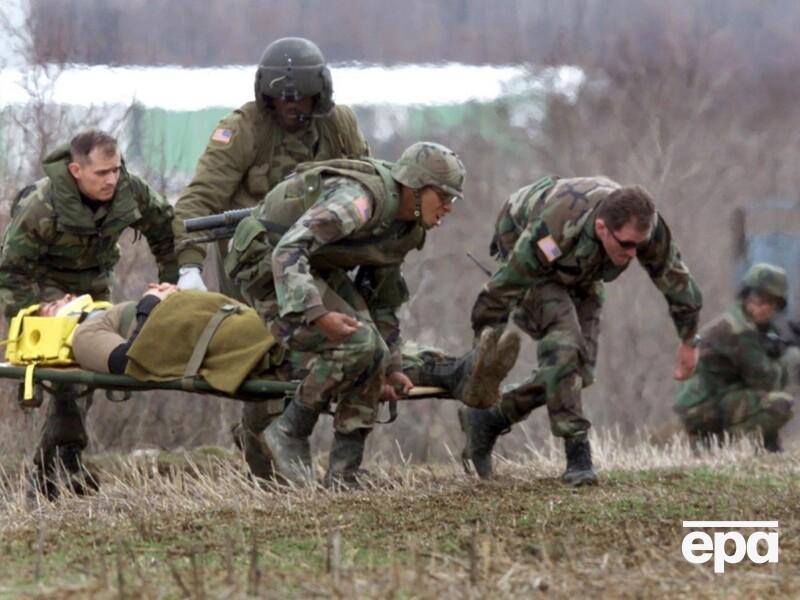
559	240
292	120
740	378
291	260
62	238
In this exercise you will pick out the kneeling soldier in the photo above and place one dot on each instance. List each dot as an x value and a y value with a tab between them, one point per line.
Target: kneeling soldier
740	379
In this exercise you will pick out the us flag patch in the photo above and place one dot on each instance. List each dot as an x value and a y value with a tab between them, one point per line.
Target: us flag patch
549	248
363	208
222	135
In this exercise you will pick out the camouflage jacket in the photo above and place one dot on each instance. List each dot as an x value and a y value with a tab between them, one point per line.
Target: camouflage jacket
55	242
349	223
734	355
248	154
545	232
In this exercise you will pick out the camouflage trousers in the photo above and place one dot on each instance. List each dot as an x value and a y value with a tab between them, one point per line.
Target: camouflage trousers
350	371
566	324
429	366
423	365
737	412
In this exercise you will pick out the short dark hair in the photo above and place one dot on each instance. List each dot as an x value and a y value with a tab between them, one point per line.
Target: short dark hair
86	141
626	204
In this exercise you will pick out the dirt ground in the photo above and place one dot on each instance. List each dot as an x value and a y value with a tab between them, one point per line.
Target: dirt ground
195	525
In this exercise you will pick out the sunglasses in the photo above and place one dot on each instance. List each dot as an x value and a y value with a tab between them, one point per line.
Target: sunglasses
629	244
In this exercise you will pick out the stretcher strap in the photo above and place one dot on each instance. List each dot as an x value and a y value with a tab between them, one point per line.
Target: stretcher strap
200	349
27	394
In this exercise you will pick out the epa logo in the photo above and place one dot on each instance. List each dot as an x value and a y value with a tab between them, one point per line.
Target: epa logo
699	547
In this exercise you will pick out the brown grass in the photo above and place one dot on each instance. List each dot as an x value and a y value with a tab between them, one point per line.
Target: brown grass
194	525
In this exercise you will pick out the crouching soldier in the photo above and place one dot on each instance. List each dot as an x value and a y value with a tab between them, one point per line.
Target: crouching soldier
293	260
559	241
739	383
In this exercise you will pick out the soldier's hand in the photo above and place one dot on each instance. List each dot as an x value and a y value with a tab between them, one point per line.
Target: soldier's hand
399	383
190	279
685	361
336	326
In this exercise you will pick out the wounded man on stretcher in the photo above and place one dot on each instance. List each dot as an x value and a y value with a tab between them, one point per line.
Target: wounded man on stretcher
174	335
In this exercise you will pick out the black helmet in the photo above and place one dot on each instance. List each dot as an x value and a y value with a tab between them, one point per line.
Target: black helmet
294	68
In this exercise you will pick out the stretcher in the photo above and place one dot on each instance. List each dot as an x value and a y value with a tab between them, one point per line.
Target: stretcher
251	390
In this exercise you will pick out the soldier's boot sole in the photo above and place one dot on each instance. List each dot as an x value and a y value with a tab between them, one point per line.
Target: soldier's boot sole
482	388
476	457
291	456
256	454
478	391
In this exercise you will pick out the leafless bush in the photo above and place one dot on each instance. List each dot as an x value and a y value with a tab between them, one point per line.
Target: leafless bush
687	102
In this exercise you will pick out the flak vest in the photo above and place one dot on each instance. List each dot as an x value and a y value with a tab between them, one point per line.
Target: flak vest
381	242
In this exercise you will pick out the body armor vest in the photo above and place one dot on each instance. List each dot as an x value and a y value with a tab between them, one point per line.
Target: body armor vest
382	241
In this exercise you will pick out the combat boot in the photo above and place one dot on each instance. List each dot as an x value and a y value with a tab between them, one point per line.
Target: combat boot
772	441
347	453
482	427
287	441
579	469
494	358
256	453
63	468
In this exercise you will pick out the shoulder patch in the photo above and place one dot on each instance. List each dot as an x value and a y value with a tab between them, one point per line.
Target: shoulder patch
549	248
363	208
222	135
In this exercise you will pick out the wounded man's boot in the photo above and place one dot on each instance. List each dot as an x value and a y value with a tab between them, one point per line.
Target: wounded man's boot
494	357
347	453
579	469
287	440
482	427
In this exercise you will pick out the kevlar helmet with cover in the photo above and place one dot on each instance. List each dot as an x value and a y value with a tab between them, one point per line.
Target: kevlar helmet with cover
766	279
429	163
291	69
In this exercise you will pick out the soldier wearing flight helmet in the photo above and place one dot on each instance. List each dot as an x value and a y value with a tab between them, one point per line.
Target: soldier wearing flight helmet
293	119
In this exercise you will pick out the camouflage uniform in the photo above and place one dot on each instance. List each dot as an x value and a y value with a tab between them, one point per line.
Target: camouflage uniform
551	282
740	377
294	278
56	245
327	239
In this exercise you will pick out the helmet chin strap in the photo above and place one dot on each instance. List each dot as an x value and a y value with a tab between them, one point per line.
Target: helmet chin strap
418	208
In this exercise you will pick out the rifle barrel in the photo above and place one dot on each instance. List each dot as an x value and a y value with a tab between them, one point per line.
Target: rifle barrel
229	218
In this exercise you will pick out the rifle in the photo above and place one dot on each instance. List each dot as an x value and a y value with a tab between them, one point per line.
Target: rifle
480	265
219	227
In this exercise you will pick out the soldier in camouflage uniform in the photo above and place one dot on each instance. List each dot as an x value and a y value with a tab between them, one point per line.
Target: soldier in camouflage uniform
740	378
558	241
62	238
292	120
320	260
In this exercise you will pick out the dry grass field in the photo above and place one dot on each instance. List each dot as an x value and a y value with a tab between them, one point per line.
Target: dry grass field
194	525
